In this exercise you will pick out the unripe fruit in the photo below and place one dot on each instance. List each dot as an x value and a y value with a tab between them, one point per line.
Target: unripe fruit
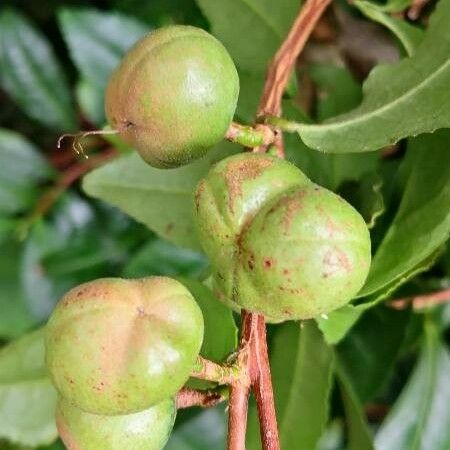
116	346
174	95
279	244
146	430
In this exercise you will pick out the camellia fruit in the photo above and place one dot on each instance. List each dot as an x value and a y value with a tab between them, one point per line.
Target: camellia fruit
173	96
116	346
145	430
279	244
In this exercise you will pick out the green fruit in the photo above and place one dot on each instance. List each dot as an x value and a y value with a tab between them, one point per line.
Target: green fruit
278	244
116	346
146	430
174	95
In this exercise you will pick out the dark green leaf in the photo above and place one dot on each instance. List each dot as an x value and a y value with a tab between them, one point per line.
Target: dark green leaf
415	90
90	98
409	35
15	317
358	434
161	199
251	30
98	40
423	217
420	419
159	257
21	168
27	397
31	74
368	352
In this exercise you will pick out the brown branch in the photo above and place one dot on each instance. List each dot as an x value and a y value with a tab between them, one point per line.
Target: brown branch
186	398
237	416
283	63
263	390
421	301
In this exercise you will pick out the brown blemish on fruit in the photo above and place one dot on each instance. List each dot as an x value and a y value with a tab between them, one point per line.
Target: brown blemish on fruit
169	228
239	171
292	206
268	263
336	260
198	193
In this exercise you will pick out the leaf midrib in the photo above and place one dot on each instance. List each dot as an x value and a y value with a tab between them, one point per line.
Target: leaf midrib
365	116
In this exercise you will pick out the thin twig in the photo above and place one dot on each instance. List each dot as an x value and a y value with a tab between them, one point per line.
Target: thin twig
283	63
65	180
422	301
186	398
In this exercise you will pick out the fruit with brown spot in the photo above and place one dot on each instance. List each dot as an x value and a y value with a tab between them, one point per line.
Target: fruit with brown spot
174	95
116	346
278	244
145	430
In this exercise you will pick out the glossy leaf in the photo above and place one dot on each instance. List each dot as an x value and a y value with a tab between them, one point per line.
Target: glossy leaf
161	199
423	216
15	317
27	398
159	257
409	35
264	23
420	419
31	75
415	90
98	40
368	352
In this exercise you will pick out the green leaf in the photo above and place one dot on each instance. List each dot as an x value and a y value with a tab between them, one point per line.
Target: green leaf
159	257
358	434
27	398
423	216
420	418
98	40
220	338
21	168
301	365
90	98
205	431
251	30
15	317
365	196
31	75
415	90
409	35
159	198
368	352
337	90
302	373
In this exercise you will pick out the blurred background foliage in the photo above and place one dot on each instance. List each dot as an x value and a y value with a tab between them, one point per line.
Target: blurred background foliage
370	374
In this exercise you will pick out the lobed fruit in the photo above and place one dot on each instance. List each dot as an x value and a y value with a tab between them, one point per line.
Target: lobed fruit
174	95
279	244
146	430
116	346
